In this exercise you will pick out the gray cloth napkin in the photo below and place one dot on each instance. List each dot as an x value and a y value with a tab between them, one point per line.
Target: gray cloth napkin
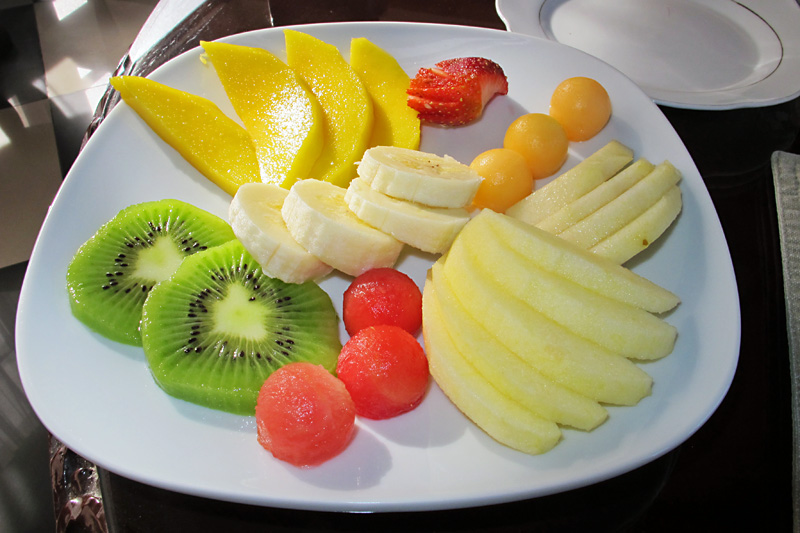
786	175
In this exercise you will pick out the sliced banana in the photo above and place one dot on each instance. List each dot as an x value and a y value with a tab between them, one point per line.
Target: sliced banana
255	216
430	229
419	177
317	216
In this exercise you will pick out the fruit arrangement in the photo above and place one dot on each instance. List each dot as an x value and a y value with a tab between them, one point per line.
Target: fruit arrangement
530	323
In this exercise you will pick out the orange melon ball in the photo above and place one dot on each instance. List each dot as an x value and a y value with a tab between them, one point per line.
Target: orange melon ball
541	140
582	106
506	179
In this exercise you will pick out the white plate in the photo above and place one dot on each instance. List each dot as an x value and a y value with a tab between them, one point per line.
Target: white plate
699	54
98	397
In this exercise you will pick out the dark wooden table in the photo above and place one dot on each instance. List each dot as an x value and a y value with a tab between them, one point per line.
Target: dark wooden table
734	473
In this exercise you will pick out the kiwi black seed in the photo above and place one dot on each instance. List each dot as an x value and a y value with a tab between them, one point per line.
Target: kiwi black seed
112	273
219	327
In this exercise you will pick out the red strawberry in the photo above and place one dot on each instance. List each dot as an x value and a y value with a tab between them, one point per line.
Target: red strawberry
455	91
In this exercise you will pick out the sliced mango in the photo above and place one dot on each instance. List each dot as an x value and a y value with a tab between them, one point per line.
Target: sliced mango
210	141
396	124
346	105
276	107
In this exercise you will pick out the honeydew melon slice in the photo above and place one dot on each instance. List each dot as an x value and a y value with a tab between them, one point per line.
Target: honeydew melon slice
596	198
622	210
643	230
572	184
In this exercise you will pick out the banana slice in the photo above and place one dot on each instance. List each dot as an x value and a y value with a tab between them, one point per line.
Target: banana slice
317	216
255	216
430	229
419	177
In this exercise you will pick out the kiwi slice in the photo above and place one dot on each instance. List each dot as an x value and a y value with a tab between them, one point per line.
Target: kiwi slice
219	326
112	273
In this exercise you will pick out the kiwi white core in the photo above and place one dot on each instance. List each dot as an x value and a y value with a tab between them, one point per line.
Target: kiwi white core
160	261
237	315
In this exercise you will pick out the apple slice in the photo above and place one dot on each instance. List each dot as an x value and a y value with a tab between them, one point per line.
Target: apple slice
623	209
572	361
583	267
508	372
572	184
499	416
593	200
620	328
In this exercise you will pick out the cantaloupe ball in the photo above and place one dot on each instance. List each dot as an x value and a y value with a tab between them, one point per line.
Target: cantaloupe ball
541	140
506	179
582	106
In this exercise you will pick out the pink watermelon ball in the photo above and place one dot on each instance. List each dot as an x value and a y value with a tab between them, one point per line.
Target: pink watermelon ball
304	414
385	370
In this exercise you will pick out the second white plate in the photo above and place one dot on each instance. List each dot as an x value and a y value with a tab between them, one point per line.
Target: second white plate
701	54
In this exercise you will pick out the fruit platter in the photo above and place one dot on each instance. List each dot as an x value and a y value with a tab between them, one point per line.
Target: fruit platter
99	397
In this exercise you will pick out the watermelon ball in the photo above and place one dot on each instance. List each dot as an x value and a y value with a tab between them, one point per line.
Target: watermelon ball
385	370
382	296
304	415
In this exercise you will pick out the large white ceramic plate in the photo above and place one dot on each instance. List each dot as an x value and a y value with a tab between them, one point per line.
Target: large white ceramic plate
701	54
98	397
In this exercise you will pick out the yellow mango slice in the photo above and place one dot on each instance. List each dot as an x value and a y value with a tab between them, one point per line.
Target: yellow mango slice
345	103
278	110
210	141
396	124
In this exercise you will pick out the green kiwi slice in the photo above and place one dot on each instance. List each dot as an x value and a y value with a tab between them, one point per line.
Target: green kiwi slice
112	273
219	326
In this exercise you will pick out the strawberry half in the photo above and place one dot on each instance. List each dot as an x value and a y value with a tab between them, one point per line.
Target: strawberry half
455	91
